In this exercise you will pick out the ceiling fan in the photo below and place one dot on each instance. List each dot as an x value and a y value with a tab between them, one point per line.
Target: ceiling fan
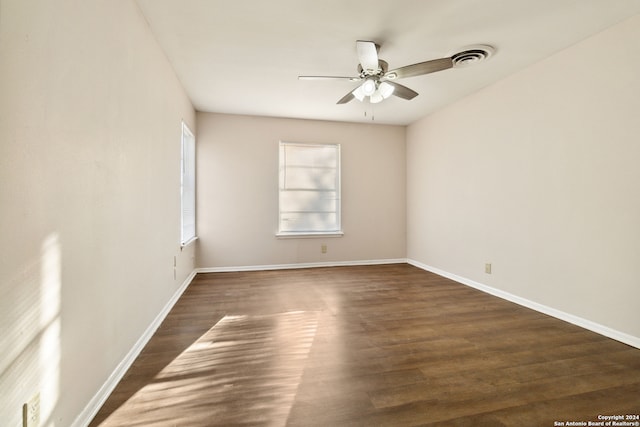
378	82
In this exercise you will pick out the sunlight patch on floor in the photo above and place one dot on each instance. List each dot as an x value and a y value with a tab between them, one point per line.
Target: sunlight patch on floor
245	369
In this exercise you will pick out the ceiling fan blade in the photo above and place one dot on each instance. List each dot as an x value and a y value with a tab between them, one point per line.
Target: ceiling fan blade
348	79
368	55
402	91
348	97
420	68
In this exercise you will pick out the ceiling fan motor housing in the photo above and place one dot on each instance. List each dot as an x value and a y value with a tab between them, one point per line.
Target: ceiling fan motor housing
382	68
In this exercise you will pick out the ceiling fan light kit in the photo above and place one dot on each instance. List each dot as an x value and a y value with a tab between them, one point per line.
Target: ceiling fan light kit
377	84
376	91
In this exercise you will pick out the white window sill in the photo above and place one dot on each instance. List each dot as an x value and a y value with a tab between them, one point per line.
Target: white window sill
308	234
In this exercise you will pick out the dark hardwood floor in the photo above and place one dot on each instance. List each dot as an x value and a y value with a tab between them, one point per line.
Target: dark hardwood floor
388	345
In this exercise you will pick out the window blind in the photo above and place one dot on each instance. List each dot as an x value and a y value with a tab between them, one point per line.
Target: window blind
309	196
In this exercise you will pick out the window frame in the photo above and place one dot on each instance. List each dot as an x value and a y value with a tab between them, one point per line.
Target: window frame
187	186
333	232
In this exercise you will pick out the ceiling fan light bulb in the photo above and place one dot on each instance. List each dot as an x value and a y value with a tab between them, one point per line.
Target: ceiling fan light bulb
385	89
368	87
376	97
358	93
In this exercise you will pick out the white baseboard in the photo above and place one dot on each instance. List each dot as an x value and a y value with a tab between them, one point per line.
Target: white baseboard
300	265
94	405
578	321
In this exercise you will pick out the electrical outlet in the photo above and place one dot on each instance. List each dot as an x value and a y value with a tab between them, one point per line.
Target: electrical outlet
487	268
323	249
31	412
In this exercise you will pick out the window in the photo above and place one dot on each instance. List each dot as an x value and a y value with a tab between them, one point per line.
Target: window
188	187
309	196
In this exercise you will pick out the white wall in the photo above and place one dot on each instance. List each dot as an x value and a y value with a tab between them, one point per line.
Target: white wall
238	191
90	114
538	174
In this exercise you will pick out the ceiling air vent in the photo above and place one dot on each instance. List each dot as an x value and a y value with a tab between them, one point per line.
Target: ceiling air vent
471	55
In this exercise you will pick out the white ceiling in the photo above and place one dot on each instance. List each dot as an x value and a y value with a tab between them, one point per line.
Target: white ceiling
243	57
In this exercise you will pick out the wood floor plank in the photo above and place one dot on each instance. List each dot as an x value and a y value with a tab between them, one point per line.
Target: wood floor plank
388	345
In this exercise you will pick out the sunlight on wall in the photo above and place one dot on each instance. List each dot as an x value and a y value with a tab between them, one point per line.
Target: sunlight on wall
50	295
30	335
